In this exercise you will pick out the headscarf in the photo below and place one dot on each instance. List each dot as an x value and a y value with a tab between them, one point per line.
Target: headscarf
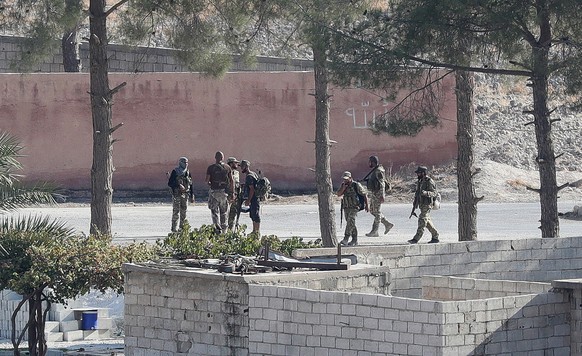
181	169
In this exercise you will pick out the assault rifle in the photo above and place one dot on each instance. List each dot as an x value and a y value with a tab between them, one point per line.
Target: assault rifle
414	206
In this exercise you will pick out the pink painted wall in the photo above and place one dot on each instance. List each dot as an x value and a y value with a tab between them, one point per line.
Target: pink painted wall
267	118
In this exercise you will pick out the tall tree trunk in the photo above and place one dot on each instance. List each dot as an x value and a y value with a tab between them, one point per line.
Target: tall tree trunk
40	339
102	168
322	150
467	224
550	224
70	49
32	327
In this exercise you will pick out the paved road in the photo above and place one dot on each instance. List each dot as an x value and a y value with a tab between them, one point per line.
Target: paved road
495	221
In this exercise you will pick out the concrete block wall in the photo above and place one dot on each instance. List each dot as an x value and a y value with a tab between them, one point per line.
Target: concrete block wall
173	312
534	259
459	288
135	59
292	321
178	310
8	303
63	323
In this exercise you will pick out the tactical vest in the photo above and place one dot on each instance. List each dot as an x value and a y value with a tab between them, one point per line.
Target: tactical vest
218	176
350	198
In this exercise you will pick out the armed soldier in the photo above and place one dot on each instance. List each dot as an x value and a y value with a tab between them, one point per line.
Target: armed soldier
236	198
180	182
423	199
376	184
219	178
349	191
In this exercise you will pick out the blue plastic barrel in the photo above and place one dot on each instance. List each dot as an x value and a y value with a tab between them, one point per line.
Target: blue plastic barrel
89	320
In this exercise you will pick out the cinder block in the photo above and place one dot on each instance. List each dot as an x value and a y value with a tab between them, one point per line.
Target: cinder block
96	334
70	325
73	335
104	323
64	315
52	326
53	336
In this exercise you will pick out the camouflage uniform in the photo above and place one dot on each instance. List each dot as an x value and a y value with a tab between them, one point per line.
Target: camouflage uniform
375	185
181	184
424	201
219	175
237	203
351	206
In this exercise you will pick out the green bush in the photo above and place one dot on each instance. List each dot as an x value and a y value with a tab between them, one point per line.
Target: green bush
204	242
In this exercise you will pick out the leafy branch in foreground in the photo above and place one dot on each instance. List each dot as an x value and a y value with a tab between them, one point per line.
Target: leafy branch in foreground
203	243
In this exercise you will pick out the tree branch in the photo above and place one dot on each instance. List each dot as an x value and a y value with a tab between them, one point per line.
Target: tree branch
436	64
116	89
567	184
533	189
115	7
111	130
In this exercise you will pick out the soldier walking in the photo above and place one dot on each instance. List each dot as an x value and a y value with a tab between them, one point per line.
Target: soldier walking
180	182
423	199
375	183
349	191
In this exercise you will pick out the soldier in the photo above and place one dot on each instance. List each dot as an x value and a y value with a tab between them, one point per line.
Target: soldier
219	178
423	198
236	198
251	200
375	182
349	191
181	184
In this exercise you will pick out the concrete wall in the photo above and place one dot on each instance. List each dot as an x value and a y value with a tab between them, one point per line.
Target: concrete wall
134	59
179	311
290	321
536	260
286	314
8	303
267	118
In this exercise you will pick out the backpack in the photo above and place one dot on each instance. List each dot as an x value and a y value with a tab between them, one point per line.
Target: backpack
361	199
263	188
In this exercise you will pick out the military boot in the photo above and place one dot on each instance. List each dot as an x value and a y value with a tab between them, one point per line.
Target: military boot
344	242
374	232
387	225
354	241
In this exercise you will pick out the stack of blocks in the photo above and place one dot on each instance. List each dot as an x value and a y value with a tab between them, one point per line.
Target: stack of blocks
66	324
63	324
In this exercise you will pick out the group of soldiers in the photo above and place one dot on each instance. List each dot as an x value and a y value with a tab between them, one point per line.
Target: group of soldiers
226	195
373	196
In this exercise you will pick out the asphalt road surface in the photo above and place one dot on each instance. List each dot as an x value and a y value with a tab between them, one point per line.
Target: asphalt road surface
494	221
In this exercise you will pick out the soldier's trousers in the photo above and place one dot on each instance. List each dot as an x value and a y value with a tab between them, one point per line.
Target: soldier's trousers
351	229
218	205
233	212
375	203
424	221
179	208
